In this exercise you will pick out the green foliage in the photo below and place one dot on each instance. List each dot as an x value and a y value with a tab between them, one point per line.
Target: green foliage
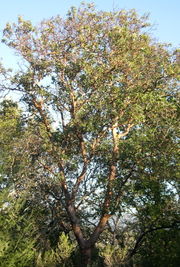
112	255
64	249
60	256
16	245
160	249
10	132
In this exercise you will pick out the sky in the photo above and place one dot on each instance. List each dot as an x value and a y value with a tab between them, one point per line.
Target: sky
164	15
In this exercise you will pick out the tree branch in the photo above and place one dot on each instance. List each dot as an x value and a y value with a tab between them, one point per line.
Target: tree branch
141	237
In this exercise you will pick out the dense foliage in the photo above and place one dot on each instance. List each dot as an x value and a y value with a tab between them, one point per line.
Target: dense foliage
89	164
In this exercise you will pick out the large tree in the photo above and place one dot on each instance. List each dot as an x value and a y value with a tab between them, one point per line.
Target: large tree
100	105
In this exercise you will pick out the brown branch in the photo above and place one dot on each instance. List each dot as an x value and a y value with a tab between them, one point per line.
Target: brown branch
46	167
113	168
39	106
126	131
62	119
140	238
120	194
80	178
98	230
75	224
112	175
107	201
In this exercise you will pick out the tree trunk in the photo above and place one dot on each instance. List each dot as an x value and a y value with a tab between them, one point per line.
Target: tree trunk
86	254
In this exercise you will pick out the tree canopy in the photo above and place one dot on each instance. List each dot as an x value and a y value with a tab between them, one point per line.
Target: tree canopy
93	149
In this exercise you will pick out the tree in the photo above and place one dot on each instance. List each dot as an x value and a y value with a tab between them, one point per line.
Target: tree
100	99
10	132
14	243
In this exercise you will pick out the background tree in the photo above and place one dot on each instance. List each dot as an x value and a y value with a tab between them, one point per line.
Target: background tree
100	98
29	228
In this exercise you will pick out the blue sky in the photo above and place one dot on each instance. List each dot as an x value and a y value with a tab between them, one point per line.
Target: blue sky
164	14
